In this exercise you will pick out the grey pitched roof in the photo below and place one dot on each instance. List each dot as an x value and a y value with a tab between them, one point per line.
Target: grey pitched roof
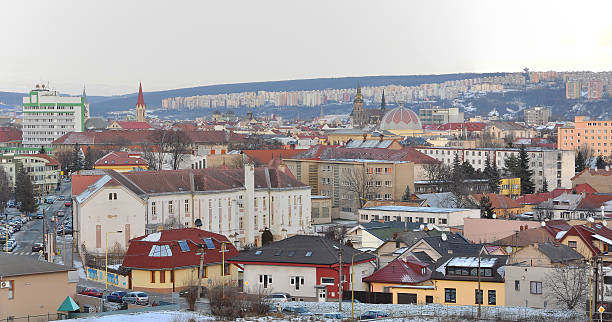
455	244
390	224
439	200
558	252
494	262
294	249
411	237
423	257
11	265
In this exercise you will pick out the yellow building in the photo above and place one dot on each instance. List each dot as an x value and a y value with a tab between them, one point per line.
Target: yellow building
590	240
122	162
169	260
510	187
408	279
454	281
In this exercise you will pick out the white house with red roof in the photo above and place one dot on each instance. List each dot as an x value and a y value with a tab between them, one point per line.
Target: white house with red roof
237	203
121	161
44	170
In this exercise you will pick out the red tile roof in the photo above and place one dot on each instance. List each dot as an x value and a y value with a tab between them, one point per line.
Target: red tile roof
9	134
401	271
50	160
467	126
135	137
498	201
137	255
597	172
586	233
82	182
134	125
527	237
265	156
121	158
594	201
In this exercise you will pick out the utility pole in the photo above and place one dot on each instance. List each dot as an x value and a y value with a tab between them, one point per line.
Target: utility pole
201	247
479	297
340	281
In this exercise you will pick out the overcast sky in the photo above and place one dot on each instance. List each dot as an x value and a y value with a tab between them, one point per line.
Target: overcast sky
112	45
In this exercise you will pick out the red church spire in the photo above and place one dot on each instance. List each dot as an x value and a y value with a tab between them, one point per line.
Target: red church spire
140	97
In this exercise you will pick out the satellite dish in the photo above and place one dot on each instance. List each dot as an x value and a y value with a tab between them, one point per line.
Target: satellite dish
508	249
198	223
605	223
494	216
543	224
590	219
422	226
444	238
429	226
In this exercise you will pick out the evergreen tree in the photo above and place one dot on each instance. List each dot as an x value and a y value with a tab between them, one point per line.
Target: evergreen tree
349	243
492	175
580	162
600	163
42	150
77	159
511	166
24	192
407	195
525	173
468	170
266	237
5	190
544	185
89	161
486	208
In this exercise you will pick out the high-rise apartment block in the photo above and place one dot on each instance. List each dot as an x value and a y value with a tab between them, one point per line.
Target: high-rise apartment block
572	89
437	115
47	116
586	134
595	89
537	115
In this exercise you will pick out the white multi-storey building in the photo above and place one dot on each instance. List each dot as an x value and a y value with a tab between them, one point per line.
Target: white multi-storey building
236	203
556	166
47	116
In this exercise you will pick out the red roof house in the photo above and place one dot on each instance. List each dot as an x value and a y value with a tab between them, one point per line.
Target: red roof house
410	271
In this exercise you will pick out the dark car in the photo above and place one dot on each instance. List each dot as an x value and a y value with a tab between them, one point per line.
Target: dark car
91	292
184	292
36	247
297	310
116	297
68	203
372	314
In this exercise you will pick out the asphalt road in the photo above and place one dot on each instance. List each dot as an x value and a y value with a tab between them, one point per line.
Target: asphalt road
32	232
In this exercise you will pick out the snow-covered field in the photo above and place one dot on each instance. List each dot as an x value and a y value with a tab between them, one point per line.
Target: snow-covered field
164	316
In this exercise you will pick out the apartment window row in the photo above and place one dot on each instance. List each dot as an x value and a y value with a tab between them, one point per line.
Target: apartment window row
450	296
162	277
441	221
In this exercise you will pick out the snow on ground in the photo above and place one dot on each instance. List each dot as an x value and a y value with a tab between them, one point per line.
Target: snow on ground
79	266
161	316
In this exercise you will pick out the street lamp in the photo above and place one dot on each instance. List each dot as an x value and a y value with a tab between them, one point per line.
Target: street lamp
106	266
353	287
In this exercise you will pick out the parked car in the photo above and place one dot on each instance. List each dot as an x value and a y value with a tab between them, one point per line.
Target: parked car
278	298
9	246
50	200
194	289
297	310
91	292
68	203
40	214
60	213
61	197
335	315
11	204
136	298
36	247
116	297
372	314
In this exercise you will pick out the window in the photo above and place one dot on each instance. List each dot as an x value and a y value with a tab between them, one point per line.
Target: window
308	253
153	208
572	244
535	287
492	297
209	243
162	276
170	207
327	280
265	280
184	246
431	220
152	276
517	285
110	196
450	295
11	289
477	296
296	281
186	205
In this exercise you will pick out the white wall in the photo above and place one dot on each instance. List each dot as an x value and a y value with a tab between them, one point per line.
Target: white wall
281	279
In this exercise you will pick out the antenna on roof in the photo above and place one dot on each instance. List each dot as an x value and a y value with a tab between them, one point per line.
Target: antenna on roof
590	219
543	224
421	226
444	238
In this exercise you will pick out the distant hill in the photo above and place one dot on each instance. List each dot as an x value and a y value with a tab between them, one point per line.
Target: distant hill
154	99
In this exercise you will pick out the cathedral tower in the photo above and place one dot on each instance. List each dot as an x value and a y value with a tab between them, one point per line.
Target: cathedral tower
141	112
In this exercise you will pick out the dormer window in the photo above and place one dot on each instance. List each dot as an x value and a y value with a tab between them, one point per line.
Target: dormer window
423	271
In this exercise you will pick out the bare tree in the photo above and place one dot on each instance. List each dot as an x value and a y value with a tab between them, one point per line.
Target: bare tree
179	146
148	154
568	285
160	144
543	213
65	159
436	172
172	223
5	187
358	182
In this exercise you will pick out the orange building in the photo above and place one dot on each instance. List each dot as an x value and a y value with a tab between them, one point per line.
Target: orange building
584	133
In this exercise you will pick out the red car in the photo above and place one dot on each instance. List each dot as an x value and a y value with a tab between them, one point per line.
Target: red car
67	203
91	292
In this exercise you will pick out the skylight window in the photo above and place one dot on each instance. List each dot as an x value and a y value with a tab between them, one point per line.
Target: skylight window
184	246
308	253
291	253
160	251
258	252
278	252
209	243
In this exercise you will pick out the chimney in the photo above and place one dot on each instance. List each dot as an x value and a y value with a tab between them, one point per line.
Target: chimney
521	227
382	136
394	235
365	135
